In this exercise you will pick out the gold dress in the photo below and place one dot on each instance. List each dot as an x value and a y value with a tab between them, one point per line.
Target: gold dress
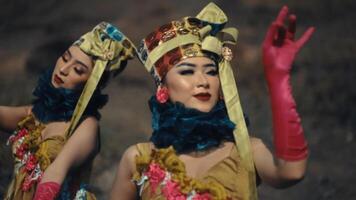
32	156
161	175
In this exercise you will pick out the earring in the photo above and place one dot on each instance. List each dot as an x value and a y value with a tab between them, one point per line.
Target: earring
162	94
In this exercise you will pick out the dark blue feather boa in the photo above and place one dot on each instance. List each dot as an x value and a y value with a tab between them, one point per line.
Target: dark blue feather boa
188	129
58	104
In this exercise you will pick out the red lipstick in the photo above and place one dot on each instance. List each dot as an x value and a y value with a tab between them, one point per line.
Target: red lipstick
57	79
203	96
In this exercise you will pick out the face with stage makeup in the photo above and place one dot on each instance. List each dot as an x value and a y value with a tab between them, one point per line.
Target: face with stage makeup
194	82
72	69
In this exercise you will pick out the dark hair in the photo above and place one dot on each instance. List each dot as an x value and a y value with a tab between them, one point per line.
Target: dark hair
45	55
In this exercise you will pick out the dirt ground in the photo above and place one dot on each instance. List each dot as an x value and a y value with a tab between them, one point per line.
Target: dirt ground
33	33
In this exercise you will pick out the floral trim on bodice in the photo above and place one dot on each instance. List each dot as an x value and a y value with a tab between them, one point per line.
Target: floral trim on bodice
163	169
25	147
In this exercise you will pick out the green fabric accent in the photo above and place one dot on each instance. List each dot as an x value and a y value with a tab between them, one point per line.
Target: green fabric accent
213	14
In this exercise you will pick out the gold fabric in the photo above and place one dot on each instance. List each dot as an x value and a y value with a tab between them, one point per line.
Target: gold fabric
232	101
227	173
47	151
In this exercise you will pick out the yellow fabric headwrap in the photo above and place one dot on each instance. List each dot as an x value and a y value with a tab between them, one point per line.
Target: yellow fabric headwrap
109	48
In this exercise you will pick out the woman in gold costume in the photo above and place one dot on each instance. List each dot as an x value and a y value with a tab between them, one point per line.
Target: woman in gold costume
55	139
200	148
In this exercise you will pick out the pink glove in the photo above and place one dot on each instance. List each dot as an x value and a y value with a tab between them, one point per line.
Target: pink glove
47	191
279	51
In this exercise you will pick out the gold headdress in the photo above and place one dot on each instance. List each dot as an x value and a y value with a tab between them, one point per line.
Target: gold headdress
192	37
110	50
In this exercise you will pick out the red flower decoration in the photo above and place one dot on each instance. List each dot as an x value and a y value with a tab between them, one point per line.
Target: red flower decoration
22	132
26	185
156	175
20	151
31	163
172	191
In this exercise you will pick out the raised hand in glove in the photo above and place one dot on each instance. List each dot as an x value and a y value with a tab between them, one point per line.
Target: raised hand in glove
279	50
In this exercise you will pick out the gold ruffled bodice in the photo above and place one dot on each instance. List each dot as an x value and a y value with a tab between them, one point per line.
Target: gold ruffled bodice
225	180
32	156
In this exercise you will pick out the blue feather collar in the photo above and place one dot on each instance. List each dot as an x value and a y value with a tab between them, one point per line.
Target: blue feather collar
58	104
188	129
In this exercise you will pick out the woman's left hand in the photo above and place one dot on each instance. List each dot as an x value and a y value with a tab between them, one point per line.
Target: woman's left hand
280	46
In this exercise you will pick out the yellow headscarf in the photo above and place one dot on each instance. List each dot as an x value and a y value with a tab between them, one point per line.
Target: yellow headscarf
110	49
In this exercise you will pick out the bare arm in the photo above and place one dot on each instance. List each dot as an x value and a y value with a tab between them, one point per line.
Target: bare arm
274	171
76	151
123	188
10	116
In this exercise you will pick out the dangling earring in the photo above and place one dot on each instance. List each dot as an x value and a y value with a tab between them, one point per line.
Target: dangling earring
162	94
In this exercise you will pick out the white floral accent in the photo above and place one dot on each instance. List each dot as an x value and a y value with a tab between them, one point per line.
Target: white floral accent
167	178
141	183
37	172
191	195
81	194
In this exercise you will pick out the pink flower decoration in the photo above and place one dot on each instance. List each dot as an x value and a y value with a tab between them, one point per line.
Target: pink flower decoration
22	132
172	191
162	94
156	175
26	185
20	151
205	196
18	135
31	163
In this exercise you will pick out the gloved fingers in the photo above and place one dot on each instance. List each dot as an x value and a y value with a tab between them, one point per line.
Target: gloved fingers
276	32
306	36
282	15
271	33
279	40
292	19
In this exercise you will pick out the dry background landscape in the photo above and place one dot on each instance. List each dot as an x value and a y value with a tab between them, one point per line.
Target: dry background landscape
33	33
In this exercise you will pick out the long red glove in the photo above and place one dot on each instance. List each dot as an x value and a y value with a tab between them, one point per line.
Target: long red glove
279	51
47	191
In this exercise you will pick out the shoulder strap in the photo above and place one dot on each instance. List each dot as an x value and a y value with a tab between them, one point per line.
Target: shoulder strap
144	149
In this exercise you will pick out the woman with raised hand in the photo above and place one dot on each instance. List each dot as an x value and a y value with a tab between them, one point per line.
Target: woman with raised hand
199	148
55	139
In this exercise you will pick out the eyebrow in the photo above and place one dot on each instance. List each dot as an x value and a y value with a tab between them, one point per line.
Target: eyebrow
77	61
70	54
81	63
194	65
